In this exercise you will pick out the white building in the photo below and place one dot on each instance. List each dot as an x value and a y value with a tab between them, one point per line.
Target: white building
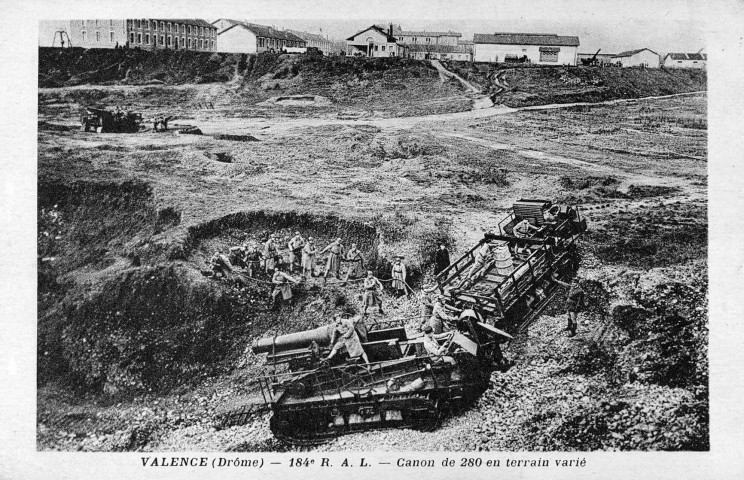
375	41
441	52
538	48
426	38
234	36
314	40
642	57
685	60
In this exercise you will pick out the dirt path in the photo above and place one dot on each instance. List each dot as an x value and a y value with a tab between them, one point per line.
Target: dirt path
444	73
273	126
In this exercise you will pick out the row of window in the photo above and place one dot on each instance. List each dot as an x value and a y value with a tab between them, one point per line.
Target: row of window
173	27
276	43
96	22
112	36
169	41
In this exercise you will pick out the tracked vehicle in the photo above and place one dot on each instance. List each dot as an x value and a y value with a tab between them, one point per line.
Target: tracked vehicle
402	386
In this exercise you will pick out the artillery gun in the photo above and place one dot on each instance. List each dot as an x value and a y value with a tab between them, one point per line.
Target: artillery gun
402	386
102	120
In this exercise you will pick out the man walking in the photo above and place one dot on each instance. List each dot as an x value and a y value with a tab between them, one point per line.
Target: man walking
356	263
399	276
575	303
281	287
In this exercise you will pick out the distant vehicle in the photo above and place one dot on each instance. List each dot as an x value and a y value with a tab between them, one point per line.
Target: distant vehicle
315	51
402	386
103	120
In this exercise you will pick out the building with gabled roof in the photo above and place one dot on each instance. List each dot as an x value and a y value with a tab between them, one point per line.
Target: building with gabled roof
440	52
234	36
537	48
423	37
642	57
144	33
685	60
375	41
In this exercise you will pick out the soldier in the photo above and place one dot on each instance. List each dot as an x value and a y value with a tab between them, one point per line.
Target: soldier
481	258
252	258
575	303
295	250
237	256
333	264
345	336
269	253
436	351
399	276
220	265
427	307
372	290
308	258
281	287
440	319
523	229
356	263
441	259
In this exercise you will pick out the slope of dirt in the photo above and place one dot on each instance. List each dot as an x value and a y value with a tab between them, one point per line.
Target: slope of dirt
241	82
539	85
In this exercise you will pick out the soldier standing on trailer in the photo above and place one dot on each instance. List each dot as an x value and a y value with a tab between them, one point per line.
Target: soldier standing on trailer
345	335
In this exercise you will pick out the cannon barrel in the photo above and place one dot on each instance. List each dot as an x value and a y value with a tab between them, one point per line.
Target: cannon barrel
292	341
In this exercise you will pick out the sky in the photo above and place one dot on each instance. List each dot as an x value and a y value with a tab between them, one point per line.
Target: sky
613	26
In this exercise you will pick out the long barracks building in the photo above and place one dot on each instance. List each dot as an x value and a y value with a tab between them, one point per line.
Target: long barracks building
145	33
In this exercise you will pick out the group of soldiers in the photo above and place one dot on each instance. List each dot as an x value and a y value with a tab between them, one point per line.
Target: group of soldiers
301	255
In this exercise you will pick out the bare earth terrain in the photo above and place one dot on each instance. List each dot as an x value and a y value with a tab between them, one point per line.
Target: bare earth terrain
137	348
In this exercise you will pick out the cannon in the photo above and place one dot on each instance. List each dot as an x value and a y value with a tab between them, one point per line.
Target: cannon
402	386
590	61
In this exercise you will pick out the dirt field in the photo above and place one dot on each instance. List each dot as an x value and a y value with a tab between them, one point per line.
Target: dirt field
127	221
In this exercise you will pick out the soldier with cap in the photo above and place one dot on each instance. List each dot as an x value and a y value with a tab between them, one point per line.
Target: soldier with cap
345	336
399	276
269	253
372	289
252	258
220	265
523	229
295	250
336	250
441	259
356	263
282	287
440	319
308	258
436	352
575	303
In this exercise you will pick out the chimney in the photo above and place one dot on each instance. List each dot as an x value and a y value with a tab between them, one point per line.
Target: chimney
391	30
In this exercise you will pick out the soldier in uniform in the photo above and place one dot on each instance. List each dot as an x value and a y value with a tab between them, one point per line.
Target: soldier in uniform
523	229
372	289
575	303
252	258
436	351
345	336
295	250
282	287
220	265
237	256
308	258
441	259
440	319
399	276
356	263
269	253
336	250
481	257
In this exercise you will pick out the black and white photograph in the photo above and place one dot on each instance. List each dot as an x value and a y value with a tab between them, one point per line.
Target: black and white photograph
282	236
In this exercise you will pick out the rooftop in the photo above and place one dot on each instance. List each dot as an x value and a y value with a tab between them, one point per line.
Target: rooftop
526	39
263	31
630	53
